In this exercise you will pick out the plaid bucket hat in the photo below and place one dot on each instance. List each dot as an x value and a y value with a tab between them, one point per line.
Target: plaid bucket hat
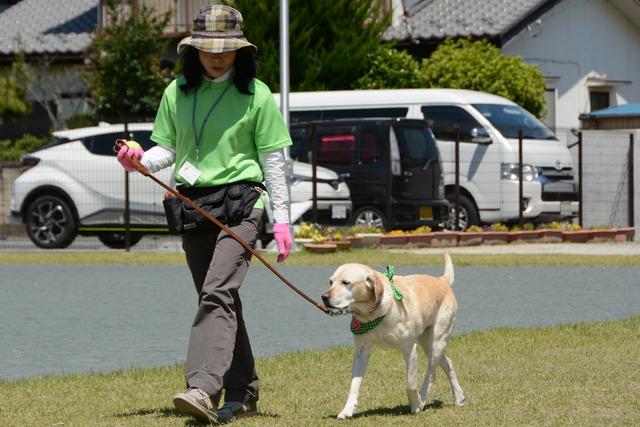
216	29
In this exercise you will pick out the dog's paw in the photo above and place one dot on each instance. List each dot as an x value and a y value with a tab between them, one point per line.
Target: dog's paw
416	410
461	401
344	415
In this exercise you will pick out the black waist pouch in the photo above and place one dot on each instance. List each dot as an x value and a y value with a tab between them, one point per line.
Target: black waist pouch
230	204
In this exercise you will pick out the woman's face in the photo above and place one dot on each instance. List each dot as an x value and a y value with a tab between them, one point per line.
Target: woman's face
216	64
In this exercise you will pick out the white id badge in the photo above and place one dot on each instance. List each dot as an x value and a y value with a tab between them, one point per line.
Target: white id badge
189	172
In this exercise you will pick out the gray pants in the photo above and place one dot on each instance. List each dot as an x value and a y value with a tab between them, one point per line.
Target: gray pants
219	355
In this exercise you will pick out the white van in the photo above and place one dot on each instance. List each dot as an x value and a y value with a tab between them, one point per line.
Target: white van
489	127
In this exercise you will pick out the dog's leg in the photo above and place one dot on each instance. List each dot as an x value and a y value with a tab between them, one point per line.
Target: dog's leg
435	345
426	342
360	362
411	360
458	394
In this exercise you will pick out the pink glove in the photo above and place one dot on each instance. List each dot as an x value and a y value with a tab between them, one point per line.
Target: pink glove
131	149
283	238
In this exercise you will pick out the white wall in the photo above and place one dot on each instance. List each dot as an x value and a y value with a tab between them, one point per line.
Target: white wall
577	39
605	184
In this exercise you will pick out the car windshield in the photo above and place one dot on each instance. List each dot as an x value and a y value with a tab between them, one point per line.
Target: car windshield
509	119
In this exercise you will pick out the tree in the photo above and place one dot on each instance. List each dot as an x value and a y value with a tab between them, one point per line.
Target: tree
463	64
388	68
13	91
329	40
126	80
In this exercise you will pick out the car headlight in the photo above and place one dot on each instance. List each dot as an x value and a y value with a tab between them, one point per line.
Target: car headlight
511	172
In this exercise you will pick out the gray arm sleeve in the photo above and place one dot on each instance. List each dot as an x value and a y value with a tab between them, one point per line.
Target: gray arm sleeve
275	178
158	157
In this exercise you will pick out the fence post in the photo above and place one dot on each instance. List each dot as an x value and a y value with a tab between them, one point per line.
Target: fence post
580	205
631	185
127	219
314	168
456	225
520	186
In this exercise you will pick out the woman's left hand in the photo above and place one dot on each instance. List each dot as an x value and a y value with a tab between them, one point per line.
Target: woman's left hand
283	238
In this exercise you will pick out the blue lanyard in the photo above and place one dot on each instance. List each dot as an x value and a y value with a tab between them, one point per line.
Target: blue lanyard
198	135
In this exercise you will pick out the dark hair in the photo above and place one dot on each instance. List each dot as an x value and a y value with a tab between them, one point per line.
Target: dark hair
245	64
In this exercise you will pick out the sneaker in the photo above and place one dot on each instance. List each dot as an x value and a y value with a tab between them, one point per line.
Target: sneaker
198	404
231	410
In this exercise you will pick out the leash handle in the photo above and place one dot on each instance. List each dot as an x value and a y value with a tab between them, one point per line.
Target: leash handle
144	171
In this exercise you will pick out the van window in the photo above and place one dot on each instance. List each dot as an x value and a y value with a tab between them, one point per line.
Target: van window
300	149
508	119
310	115
370	149
446	117
416	143
337	148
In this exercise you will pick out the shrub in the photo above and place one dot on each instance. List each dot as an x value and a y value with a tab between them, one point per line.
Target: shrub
388	68
12	151
499	227
479	65
474	229
396	232
423	229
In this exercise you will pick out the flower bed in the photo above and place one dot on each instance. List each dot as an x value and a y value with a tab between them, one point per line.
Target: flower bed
316	239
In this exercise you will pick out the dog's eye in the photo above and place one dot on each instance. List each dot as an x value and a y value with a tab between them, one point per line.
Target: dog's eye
346	282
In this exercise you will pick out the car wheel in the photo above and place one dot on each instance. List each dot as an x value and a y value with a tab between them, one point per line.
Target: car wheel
369	216
50	223
116	240
468	213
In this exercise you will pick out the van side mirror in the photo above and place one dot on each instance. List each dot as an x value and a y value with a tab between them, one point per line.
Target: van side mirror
480	136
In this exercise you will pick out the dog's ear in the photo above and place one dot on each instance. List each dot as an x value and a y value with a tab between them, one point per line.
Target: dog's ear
377	285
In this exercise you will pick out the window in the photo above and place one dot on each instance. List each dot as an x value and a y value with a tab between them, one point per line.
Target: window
599	99
299	149
370	147
102	145
509	119
416	144
337	148
310	115
446	117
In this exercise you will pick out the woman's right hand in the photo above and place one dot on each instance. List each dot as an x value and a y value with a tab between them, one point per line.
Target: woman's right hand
131	149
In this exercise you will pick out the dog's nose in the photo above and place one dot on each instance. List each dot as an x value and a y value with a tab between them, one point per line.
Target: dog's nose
325	299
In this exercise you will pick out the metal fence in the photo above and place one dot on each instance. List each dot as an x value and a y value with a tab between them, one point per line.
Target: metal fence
604	164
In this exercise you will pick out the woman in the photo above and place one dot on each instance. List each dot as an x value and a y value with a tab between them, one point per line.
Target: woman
220	125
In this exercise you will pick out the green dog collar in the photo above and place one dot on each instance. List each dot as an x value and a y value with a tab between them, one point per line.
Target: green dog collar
361	328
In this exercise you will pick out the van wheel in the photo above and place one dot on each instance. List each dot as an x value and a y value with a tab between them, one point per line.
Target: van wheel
468	213
369	216
50	223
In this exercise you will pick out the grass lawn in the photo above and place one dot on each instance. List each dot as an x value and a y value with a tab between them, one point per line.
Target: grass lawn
368	256
577	375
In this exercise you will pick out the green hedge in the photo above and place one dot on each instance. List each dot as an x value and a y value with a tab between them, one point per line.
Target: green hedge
13	150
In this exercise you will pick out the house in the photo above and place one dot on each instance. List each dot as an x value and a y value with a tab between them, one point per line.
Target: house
55	36
587	50
625	116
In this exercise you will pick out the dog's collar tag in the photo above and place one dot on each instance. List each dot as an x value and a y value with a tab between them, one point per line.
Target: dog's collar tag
391	270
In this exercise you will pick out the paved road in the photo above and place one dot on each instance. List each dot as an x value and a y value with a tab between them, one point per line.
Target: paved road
61	319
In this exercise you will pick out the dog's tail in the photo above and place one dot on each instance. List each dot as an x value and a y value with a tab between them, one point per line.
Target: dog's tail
448	275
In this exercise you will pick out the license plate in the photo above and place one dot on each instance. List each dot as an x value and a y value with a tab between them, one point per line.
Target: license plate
426	212
565	209
338	211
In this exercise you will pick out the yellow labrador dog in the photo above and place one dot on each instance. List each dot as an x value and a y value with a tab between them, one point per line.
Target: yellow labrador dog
403	312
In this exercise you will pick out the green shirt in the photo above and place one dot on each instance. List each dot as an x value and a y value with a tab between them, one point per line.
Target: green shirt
239	127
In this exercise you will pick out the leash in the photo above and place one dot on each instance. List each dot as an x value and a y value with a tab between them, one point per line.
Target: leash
144	171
